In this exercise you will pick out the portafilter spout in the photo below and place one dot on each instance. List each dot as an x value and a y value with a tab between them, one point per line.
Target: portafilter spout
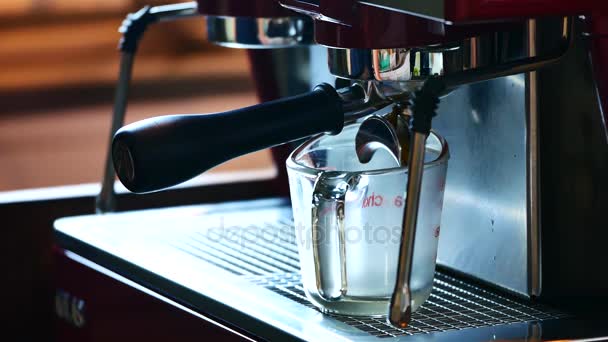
160	152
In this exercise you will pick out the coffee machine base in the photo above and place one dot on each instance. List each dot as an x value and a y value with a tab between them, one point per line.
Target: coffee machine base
231	271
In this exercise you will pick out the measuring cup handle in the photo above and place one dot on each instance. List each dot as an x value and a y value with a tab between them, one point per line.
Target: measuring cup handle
328	235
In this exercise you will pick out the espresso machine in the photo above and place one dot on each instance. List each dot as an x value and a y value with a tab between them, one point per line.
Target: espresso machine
521	231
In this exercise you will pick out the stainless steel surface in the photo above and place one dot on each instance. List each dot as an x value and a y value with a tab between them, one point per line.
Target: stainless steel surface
393	64
376	133
244	256
512	206
356	107
106	200
259	33
474	59
493	186
484	224
453	305
400	310
247	260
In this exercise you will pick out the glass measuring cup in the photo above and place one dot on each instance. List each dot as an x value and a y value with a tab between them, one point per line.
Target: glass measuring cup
348	220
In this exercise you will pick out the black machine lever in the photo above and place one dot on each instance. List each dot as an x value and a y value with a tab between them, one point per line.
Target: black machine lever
163	151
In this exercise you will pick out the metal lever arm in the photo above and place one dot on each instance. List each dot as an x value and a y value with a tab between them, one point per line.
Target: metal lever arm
132	29
424	109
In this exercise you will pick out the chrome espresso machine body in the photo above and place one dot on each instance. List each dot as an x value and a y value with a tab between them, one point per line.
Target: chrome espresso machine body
522	233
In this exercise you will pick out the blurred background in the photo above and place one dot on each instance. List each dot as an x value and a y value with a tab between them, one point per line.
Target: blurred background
58	68
58	71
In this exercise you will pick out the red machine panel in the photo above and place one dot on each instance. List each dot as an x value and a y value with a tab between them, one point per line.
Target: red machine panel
459	11
93	306
375	27
364	24
239	8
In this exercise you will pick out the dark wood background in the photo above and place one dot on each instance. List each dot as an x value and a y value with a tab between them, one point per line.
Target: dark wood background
58	65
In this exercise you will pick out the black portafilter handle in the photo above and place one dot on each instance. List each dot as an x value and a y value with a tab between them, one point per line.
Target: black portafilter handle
160	152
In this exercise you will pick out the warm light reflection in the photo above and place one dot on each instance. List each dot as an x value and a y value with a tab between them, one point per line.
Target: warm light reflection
26	7
58	72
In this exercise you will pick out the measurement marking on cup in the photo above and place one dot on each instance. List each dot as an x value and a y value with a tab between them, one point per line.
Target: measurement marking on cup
375	200
398	201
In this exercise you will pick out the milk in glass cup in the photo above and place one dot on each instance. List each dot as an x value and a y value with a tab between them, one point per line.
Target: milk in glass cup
348	220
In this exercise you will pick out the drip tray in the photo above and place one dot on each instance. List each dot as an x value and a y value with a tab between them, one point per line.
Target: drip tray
253	252
240	261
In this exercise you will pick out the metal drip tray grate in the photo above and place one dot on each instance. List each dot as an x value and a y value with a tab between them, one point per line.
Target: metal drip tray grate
267	256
